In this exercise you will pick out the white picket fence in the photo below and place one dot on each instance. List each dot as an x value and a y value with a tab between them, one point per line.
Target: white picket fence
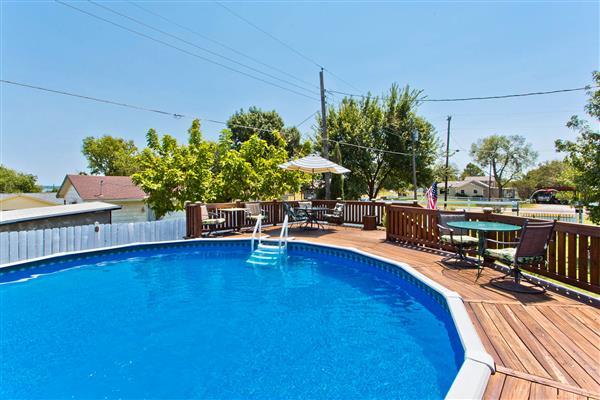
23	245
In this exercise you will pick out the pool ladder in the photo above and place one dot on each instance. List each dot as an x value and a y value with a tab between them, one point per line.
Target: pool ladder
268	254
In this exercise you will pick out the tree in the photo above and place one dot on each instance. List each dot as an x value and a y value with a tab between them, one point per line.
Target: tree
253	172
584	153
244	125
440	171
508	155
375	136
292	139
549	174
12	181
471	170
108	155
171	174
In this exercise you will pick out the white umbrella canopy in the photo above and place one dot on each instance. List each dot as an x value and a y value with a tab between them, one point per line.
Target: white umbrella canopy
314	164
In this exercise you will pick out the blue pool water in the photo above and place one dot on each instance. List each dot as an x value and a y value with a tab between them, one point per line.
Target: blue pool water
199	322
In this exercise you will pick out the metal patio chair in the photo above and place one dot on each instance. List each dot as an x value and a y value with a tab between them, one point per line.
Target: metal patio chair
297	216
531	249
458	239
254	212
212	219
336	216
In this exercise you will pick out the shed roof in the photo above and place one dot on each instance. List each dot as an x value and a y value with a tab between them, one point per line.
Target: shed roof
30	214
98	187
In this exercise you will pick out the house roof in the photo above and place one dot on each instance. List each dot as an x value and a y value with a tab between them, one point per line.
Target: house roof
29	214
457	184
47	197
94	187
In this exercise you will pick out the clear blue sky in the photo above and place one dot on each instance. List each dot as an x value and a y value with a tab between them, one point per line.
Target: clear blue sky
448	49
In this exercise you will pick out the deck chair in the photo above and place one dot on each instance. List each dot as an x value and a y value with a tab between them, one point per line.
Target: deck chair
254	212
459	239
211	219
305	204
530	250
336	216
295	216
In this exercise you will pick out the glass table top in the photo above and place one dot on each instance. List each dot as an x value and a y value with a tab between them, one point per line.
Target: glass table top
485	226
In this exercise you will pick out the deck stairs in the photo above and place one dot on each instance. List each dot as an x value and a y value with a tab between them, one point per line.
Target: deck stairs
269	253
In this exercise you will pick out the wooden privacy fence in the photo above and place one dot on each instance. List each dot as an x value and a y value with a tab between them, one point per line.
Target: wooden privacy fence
573	255
23	245
354	211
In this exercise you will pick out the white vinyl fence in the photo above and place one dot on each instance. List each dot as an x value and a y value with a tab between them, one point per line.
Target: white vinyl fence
23	245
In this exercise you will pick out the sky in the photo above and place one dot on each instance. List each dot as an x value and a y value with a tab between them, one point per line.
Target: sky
447	49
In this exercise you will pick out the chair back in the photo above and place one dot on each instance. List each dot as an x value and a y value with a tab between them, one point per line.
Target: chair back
534	240
253	209
204	212
445	217
338	210
289	210
305	204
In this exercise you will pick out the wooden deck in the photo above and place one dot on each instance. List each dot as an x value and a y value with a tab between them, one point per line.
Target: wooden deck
545	346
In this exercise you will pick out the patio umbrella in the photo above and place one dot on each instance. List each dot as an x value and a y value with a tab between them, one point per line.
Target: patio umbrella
314	164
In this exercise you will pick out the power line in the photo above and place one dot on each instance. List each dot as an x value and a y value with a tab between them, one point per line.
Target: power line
116	103
288	46
369	148
481	98
304	56
132	106
183	50
306	119
196	46
223	45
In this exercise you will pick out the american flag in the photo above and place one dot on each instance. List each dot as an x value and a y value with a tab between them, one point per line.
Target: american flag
432	196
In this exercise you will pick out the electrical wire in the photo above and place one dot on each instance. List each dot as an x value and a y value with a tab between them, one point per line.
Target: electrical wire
304	56
214	53
221	44
183	50
483	97
369	148
132	106
306	119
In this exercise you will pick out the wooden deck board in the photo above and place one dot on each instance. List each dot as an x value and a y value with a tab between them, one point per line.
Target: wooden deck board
545	346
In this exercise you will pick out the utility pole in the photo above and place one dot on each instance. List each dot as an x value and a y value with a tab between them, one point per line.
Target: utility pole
446	170
414	164
324	139
490	182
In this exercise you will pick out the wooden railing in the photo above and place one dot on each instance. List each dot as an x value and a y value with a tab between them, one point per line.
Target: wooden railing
354	211
573	255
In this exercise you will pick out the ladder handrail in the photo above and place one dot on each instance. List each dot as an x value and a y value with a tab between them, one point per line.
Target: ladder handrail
284	233
257	227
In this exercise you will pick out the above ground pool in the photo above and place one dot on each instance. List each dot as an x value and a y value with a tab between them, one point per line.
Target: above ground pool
195	320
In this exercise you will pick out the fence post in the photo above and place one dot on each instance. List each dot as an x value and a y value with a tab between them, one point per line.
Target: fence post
276	207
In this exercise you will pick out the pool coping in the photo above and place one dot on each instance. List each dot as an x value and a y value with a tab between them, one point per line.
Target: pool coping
473	375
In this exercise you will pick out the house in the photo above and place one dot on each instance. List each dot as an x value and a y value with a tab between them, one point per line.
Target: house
119	190
20	201
56	216
476	186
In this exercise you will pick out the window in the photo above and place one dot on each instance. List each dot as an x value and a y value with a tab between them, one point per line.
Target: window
474	191
462	191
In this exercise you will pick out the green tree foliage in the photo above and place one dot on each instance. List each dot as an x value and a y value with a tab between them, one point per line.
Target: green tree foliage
244	125
172	174
471	170
508	155
440	171
252	171
383	124
583	154
108	155
12	181
337	180
549	174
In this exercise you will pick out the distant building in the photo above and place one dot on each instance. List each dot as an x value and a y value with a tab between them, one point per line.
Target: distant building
476	186
119	190
20	201
56	216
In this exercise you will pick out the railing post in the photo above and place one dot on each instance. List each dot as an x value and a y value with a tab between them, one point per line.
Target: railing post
188	220
276	208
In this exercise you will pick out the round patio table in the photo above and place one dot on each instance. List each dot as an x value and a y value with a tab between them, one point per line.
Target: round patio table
482	227
311	213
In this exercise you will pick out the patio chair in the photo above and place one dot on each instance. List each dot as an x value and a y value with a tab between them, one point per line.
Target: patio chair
337	214
305	204
530	250
212	219
294	216
254	212
459	239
